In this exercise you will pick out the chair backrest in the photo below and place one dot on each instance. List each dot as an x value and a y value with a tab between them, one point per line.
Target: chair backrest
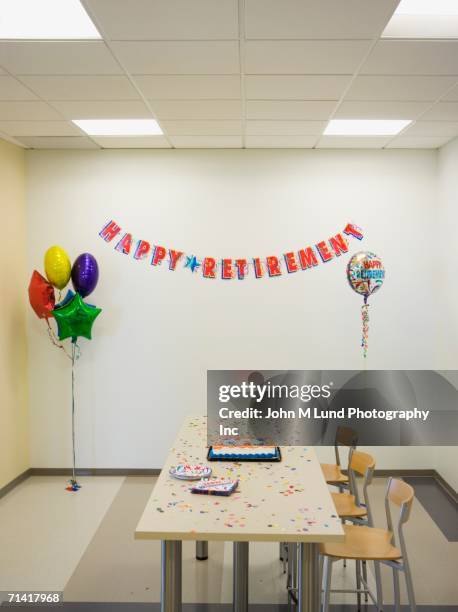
400	494
345	436
362	462
364	465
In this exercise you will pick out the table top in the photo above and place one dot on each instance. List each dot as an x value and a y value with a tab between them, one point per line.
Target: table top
287	501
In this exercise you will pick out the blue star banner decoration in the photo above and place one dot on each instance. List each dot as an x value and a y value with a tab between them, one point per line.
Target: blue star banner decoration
192	263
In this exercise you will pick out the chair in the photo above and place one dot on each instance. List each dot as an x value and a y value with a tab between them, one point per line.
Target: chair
348	505
350	508
345	436
363	543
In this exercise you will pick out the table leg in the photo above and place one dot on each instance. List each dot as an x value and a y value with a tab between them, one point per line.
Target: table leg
292	565
308	579
240	577
201	550
171	576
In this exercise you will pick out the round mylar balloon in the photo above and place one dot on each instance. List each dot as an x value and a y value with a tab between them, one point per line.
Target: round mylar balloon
365	273
57	266
85	274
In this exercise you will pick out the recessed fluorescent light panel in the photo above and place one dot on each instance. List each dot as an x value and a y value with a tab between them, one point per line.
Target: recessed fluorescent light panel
45	20
119	127
424	19
365	127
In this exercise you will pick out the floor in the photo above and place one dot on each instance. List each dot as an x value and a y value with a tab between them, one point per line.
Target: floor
82	544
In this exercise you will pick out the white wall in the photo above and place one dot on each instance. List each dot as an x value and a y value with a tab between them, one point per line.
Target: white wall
446	288
14	447
160	331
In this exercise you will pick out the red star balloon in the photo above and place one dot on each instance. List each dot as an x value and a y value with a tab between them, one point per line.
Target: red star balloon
41	296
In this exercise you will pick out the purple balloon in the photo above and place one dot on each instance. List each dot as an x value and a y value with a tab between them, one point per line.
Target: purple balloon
85	274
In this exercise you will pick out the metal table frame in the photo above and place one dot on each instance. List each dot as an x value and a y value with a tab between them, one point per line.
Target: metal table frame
171	575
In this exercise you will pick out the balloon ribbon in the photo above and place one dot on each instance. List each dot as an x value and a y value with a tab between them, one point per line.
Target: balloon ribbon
73	483
365	321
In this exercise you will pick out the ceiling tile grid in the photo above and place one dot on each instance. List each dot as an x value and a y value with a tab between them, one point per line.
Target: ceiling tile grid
231	74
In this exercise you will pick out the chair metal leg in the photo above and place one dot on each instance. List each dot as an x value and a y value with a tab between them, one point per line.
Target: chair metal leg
397	596
327	584
378	584
358	583
409	585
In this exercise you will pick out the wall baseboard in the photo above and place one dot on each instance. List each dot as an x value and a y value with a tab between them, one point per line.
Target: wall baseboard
95	472
446	486
15	482
421	474
156	471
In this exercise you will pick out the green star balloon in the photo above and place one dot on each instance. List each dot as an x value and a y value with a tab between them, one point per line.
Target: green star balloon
75	319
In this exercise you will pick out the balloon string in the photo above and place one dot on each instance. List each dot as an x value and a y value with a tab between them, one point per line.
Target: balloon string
74	349
365	322
54	339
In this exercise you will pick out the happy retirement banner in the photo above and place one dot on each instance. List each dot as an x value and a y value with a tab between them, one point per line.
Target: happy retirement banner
310	256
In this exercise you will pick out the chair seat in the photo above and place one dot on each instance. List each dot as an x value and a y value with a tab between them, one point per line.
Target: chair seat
332	473
363	543
346	506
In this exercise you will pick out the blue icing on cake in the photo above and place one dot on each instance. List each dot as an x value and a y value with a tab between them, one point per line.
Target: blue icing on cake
235	453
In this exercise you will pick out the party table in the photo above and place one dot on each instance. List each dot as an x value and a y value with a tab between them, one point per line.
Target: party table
287	501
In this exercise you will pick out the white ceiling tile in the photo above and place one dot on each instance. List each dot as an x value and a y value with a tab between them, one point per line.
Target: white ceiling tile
81	87
281	142
432	128
63	142
413	57
407	88
369	109
132	142
295	87
285	128
197	109
443	111
166	19
12	89
452	96
311	19
38	128
57	57
304	56
179	57
291	109
27	110
207	142
352	142
102	109
202	128
189	87
418	142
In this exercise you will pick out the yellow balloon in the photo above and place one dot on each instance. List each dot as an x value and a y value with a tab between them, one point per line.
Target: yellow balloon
57	266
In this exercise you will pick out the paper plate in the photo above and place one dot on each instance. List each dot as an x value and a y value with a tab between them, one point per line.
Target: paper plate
190	472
